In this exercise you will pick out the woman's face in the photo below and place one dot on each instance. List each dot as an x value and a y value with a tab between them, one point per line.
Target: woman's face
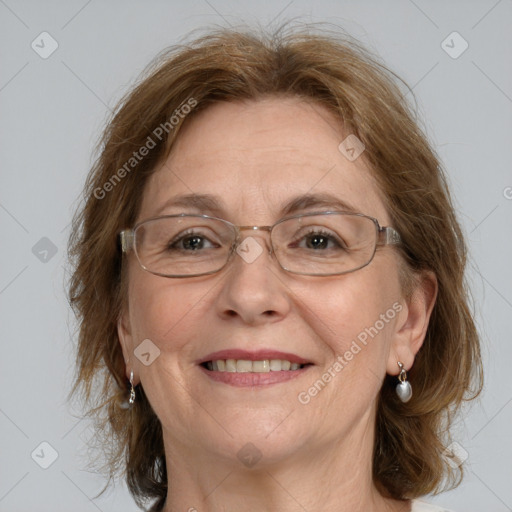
254	158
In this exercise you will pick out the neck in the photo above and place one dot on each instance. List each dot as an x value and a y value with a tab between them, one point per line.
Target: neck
332	477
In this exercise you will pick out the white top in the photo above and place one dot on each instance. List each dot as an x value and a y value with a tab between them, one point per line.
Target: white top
421	506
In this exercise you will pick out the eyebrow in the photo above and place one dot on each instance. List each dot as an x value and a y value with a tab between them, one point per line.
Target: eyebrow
213	205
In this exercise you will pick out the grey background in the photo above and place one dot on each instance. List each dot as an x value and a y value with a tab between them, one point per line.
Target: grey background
52	111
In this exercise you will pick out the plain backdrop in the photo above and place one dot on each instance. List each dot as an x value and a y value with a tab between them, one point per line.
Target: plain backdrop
53	108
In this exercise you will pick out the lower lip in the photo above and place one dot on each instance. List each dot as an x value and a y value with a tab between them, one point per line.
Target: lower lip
253	379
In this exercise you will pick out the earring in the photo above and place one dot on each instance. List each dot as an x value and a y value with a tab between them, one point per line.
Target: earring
403	388
131	400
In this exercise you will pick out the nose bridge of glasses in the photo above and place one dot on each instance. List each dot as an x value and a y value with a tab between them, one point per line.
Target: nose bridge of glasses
253	233
254	228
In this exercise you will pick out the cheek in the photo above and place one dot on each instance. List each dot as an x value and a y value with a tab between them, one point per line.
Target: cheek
351	304
169	314
354	318
164	311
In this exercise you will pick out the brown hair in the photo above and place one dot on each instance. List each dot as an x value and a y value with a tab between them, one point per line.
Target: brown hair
334	71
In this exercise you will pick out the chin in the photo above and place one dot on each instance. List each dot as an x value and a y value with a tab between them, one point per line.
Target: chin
258	440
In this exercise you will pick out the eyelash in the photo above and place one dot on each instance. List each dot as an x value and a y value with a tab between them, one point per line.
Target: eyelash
184	235
327	234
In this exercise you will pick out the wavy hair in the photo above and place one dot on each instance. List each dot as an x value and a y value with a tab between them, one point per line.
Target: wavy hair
334	71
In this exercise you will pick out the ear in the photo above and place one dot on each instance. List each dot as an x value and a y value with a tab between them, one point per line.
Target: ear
412	323
124	332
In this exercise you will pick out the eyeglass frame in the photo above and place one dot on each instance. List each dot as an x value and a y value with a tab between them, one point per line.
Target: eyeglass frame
386	235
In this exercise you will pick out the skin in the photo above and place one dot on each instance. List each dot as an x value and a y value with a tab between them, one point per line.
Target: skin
255	156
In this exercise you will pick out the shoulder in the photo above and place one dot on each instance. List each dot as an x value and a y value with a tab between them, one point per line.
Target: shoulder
422	506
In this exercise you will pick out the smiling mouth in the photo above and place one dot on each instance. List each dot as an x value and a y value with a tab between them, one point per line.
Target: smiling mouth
247	366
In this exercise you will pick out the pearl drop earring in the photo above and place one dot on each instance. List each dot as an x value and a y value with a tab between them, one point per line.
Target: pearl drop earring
403	388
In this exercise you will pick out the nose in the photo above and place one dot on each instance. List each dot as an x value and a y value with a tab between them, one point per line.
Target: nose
253	290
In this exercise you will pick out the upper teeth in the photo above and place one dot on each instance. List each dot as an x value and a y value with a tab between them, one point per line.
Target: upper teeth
244	365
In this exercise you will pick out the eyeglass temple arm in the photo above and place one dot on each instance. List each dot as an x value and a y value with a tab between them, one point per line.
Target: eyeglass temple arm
389	236
126	237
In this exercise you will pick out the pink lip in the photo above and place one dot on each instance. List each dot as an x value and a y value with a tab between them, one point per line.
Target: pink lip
257	355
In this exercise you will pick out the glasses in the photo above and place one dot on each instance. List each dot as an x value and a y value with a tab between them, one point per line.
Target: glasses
313	244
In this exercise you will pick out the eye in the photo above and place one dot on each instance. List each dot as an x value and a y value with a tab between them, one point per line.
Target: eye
319	239
191	241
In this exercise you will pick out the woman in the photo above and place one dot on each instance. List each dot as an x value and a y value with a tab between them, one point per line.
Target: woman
270	283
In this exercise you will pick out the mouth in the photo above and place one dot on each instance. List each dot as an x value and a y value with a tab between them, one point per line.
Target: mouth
247	366
248	369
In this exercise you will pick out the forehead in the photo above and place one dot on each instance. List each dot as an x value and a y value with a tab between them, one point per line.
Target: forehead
256	155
